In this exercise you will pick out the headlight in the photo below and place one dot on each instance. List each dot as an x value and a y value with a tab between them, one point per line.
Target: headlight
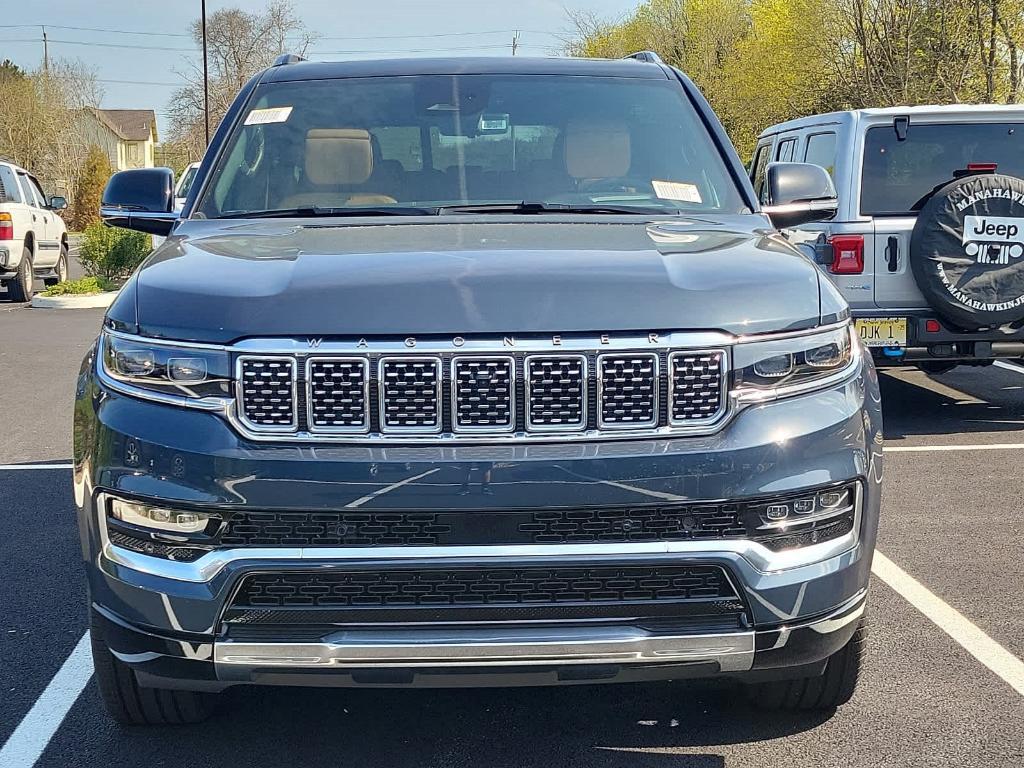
161	519
180	371
767	369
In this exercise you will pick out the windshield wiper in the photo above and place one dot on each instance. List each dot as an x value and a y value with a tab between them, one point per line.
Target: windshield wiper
525	207
311	211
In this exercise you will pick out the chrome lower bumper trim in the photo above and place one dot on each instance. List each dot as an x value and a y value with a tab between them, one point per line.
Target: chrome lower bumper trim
733	652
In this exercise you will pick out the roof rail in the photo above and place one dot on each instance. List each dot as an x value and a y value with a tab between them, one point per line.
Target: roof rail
648	56
288	58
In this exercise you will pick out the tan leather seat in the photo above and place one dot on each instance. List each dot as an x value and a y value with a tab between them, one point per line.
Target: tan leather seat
338	162
597	150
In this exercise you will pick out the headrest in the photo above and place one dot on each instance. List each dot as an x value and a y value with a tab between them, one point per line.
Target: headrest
338	155
597	150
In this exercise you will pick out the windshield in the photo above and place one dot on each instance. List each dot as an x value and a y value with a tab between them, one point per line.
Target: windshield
434	141
900	174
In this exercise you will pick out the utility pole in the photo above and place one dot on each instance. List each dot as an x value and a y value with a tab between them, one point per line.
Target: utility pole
515	42
206	80
46	52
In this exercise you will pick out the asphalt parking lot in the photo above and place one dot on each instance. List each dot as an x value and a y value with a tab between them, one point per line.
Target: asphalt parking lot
952	520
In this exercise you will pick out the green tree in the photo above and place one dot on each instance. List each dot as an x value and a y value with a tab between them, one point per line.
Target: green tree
93	177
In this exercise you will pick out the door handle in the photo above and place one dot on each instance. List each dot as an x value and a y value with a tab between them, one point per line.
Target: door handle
892	253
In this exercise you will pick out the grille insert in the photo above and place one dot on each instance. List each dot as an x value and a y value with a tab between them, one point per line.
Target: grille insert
556	392
628	386
483	393
483	587
338	389
410	394
697	386
268	392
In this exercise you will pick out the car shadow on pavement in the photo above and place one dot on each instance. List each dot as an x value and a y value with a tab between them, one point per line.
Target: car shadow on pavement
951	403
634	725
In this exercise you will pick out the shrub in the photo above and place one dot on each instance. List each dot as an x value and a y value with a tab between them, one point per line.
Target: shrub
112	253
84	285
85	208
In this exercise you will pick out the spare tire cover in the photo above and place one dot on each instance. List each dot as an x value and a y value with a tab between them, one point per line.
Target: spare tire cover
967	250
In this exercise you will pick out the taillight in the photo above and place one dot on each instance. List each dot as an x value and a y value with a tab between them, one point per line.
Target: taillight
847	254
6	227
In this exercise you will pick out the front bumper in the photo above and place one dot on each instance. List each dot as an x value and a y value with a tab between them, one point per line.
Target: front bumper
166	618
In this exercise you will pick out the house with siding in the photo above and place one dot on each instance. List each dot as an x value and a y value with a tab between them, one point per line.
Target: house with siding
128	136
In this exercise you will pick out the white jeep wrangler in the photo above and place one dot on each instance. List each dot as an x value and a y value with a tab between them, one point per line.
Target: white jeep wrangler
928	242
33	238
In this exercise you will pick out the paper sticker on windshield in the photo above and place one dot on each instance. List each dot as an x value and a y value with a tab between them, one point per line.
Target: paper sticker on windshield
677	190
267	116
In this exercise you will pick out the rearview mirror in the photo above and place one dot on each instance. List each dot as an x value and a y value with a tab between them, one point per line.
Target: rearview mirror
58	203
140	199
798	193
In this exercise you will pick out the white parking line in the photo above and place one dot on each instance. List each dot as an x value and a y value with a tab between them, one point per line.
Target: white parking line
982	647
975	447
36	729
1010	366
18	467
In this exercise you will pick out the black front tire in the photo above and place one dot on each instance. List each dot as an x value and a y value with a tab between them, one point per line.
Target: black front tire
132	704
21	288
825	692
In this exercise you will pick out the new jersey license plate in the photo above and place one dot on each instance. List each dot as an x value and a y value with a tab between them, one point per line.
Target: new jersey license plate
882	331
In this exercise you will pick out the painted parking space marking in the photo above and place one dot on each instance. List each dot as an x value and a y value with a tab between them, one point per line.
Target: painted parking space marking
982	647
975	447
1009	366
19	467
35	730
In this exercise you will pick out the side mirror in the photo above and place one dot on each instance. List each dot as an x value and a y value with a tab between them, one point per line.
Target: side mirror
798	193
58	203
141	199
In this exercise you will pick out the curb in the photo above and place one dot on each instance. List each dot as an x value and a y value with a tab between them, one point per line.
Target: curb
89	301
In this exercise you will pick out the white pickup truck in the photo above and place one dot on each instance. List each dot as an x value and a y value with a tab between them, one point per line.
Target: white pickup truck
33	238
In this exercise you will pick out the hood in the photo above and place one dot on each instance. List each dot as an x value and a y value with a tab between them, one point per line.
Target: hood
218	282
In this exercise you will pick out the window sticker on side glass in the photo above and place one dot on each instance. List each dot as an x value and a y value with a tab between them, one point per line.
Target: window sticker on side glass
677	190
266	116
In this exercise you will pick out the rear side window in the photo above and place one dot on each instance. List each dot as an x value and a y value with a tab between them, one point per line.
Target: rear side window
9	192
786	150
821	150
899	175
757	169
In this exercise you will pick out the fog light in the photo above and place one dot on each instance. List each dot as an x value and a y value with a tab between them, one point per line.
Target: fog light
157	518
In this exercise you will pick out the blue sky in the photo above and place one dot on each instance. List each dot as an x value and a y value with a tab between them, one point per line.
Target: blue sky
344	26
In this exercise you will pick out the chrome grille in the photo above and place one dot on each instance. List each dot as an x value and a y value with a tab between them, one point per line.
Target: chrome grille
610	389
338	394
697	386
267	388
410	394
556	397
483	393
628	390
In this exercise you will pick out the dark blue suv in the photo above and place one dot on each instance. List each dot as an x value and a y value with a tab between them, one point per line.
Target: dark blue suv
474	372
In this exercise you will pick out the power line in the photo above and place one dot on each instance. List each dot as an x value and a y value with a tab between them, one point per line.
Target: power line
98	29
431	35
